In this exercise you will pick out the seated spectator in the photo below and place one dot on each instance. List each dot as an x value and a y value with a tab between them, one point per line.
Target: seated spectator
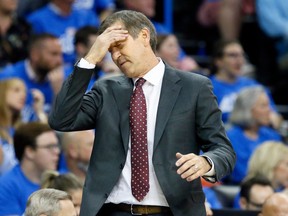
253	193
42	70
48	202
14	34
168	49
37	150
13	97
228	79
250	122
67	182
275	205
77	147
270	160
65	21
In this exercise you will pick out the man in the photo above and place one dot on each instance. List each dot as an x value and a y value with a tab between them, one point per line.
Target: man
188	120
275	205
36	148
50	201
42	70
77	148
254	191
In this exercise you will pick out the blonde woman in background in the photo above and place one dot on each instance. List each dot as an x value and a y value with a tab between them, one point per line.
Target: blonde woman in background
67	182
270	160
13	94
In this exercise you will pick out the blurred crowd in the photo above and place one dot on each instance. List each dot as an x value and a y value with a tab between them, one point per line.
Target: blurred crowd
241	45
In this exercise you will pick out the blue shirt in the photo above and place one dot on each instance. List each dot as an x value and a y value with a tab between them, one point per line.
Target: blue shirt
49	20
20	70
245	146
15	190
226	93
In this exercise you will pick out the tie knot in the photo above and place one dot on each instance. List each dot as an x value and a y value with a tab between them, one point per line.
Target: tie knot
140	82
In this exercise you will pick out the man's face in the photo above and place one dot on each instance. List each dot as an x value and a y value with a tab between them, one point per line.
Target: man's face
129	54
231	63
46	153
48	57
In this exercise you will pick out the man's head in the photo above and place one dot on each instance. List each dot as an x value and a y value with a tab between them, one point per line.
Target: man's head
254	191
77	148
48	202
275	205
84	39
135	55
36	143
45	54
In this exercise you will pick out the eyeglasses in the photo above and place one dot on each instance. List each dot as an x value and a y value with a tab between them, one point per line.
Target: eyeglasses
50	147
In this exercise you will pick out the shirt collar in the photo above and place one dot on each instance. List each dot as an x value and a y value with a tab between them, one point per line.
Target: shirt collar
155	75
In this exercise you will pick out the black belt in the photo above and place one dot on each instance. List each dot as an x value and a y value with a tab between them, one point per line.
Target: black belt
138	209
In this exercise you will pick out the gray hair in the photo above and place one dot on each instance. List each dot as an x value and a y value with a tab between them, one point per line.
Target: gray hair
134	22
45	201
241	114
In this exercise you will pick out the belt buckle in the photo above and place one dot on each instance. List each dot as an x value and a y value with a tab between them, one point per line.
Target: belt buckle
131	211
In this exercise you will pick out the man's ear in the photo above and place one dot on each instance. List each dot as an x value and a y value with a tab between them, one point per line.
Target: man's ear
145	36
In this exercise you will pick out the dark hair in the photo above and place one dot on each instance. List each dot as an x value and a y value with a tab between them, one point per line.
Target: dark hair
134	22
160	39
82	34
249	182
26	135
36	40
220	46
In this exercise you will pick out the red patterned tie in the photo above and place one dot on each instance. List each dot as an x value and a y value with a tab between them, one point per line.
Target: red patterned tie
139	149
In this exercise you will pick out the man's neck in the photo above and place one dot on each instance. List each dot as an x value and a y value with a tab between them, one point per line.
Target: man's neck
30	171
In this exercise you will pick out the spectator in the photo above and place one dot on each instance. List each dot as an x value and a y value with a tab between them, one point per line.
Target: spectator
42	70
77	147
37	150
168	49
13	96
67	182
228	78
65	21
253	193
14	34
275	205
250	122
270	160
25	7
50	202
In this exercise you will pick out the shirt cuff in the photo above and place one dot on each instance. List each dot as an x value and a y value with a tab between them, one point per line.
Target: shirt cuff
83	63
211	172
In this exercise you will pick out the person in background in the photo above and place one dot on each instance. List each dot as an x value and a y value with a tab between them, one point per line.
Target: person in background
14	34
254	190
275	169
46	202
37	150
249	124
42	70
188	120
77	147
228	79
13	93
275	205
67	182
65	21
168	49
